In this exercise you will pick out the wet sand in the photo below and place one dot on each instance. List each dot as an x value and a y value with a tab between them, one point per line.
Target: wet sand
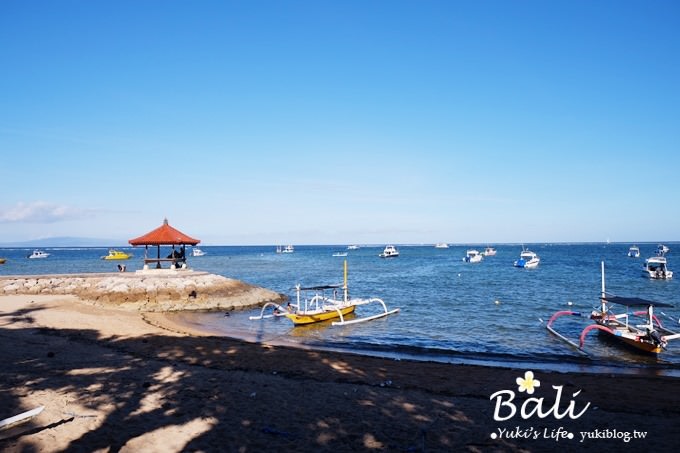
115	380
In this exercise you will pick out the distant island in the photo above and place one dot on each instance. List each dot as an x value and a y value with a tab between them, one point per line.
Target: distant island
66	241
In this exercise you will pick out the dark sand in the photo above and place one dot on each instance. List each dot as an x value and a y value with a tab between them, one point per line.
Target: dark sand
112	382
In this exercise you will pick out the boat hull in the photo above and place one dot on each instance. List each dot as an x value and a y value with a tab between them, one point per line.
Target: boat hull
475	259
302	319
638	345
117	257
526	264
657	275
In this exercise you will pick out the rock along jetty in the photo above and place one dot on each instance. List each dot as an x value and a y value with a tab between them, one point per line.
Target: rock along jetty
147	291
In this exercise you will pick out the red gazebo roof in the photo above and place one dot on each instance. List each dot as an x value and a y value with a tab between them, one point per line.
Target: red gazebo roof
164	235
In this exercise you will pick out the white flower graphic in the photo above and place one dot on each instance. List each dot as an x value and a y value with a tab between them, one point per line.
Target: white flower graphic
528	383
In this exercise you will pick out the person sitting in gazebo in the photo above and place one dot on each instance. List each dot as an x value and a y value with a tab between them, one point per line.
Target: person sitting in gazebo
165	235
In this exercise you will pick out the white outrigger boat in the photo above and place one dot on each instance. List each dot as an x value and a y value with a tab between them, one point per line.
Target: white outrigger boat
322	307
649	337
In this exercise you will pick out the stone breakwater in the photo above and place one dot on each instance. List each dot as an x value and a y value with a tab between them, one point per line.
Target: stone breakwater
148	292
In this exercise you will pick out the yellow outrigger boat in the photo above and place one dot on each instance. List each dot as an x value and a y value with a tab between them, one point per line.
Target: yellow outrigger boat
321	307
116	255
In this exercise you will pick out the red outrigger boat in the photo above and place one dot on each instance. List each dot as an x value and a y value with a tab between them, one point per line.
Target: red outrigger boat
648	336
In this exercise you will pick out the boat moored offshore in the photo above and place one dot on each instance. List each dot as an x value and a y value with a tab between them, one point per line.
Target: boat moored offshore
656	267
473	256
527	259
38	254
390	251
489	251
197	252
116	255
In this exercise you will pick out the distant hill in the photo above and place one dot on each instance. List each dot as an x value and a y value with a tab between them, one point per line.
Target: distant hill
67	242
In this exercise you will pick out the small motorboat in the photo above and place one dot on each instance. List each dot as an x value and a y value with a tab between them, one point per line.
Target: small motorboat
527	259
38	254
634	251
489	251
390	251
116	255
352	247
286	249
662	250
340	254
197	252
473	256
656	267
441	245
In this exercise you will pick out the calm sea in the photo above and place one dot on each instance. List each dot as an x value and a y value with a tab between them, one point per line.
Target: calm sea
450	310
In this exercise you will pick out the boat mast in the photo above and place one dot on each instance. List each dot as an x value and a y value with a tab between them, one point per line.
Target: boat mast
604	304
344	285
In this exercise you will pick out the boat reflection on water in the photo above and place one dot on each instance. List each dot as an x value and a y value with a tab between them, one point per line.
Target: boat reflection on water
316	330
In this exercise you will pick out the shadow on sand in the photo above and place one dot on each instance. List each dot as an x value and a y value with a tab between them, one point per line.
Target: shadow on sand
226	395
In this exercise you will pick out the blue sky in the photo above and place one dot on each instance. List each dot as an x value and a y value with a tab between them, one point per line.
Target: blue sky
332	122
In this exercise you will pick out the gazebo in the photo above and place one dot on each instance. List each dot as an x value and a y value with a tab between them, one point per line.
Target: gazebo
164	235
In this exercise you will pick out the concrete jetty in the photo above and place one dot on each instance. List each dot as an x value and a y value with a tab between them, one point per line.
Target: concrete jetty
147	291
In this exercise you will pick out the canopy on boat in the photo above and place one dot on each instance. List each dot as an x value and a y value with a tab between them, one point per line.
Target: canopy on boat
318	288
634	302
164	235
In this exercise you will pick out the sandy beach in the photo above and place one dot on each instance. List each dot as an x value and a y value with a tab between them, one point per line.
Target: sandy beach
115	380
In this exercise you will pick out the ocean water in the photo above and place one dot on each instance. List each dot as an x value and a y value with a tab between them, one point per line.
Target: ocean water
450	310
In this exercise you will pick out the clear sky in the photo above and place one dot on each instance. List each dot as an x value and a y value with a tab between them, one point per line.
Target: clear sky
337	122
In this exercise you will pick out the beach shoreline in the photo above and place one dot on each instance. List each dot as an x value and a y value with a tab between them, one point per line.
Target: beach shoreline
111	380
190	323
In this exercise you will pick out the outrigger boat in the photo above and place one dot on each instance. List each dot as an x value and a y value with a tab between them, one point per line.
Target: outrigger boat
649	337
321	307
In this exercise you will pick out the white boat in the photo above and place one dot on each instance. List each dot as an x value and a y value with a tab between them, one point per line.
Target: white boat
286	249
662	250
656	267
38	254
441	245
340	254
390	251
473	256
527	259
634	251
197	252
352	247
489	251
